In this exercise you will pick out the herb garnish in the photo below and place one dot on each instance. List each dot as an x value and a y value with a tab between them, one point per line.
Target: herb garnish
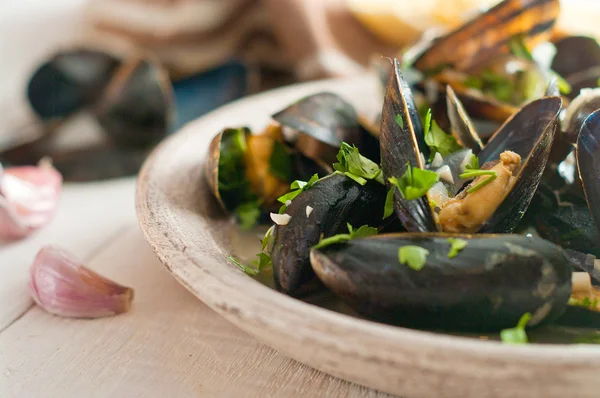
585	302
296	188
519	49
413	256
415	182
264	257
280	162
388	208
355	166
437	139
456	246
471	173
361	232
247	214
473	163
399	120
516	335
249	270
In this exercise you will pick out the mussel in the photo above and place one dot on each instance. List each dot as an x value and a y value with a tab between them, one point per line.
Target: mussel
321	211
321	122
577	59
522	145
248	172
487	286
487	61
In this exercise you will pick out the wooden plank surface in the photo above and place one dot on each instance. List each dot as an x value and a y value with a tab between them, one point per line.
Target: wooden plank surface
169	345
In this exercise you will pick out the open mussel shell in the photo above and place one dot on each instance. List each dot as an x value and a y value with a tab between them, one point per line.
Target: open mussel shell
69	81
137	108
322	122
402	142
487	286
225	170
529	133
588	163
461	126
578	111
335	201
489	34
575	54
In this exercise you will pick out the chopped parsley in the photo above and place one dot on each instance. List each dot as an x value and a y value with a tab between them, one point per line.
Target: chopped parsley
296	188
519	48
357	167
415	182
592	338
468	174
516	335
456	245
247	269
585	302
563	86
399	120
437	139
388	208
280	162
247	214
413	256
361	232
473	163
264	258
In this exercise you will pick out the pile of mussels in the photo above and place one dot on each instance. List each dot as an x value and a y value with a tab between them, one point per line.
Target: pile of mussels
488	155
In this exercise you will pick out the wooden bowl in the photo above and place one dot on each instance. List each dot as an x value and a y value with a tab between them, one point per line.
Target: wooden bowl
193	238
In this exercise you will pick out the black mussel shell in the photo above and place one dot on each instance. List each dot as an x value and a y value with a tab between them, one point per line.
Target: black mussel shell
588	163
575	54
460	124
69	81
578	111
402	142
369	143
323	122
488	286
137	107
225	174
336	200
488	35
530	133
584	79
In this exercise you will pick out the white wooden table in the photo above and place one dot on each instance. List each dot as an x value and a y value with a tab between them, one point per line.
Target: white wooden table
168	345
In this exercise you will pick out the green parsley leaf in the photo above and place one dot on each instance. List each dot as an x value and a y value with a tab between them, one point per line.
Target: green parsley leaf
247	214
399	120
516	335
352	164
388	208
585	302
415	182
413	256
473	163
456	246
592	338
296	188
476	173
280	162
563	86
598	82
473	82
361	232
264	261
519	49
427	122
438	140
249	270
267	239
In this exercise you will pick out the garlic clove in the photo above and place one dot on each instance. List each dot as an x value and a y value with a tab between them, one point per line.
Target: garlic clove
63	286
29	197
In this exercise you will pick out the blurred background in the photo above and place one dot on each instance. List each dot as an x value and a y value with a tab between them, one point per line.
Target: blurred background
96	84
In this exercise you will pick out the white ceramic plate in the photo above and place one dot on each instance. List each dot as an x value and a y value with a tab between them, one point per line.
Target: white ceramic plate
193	238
